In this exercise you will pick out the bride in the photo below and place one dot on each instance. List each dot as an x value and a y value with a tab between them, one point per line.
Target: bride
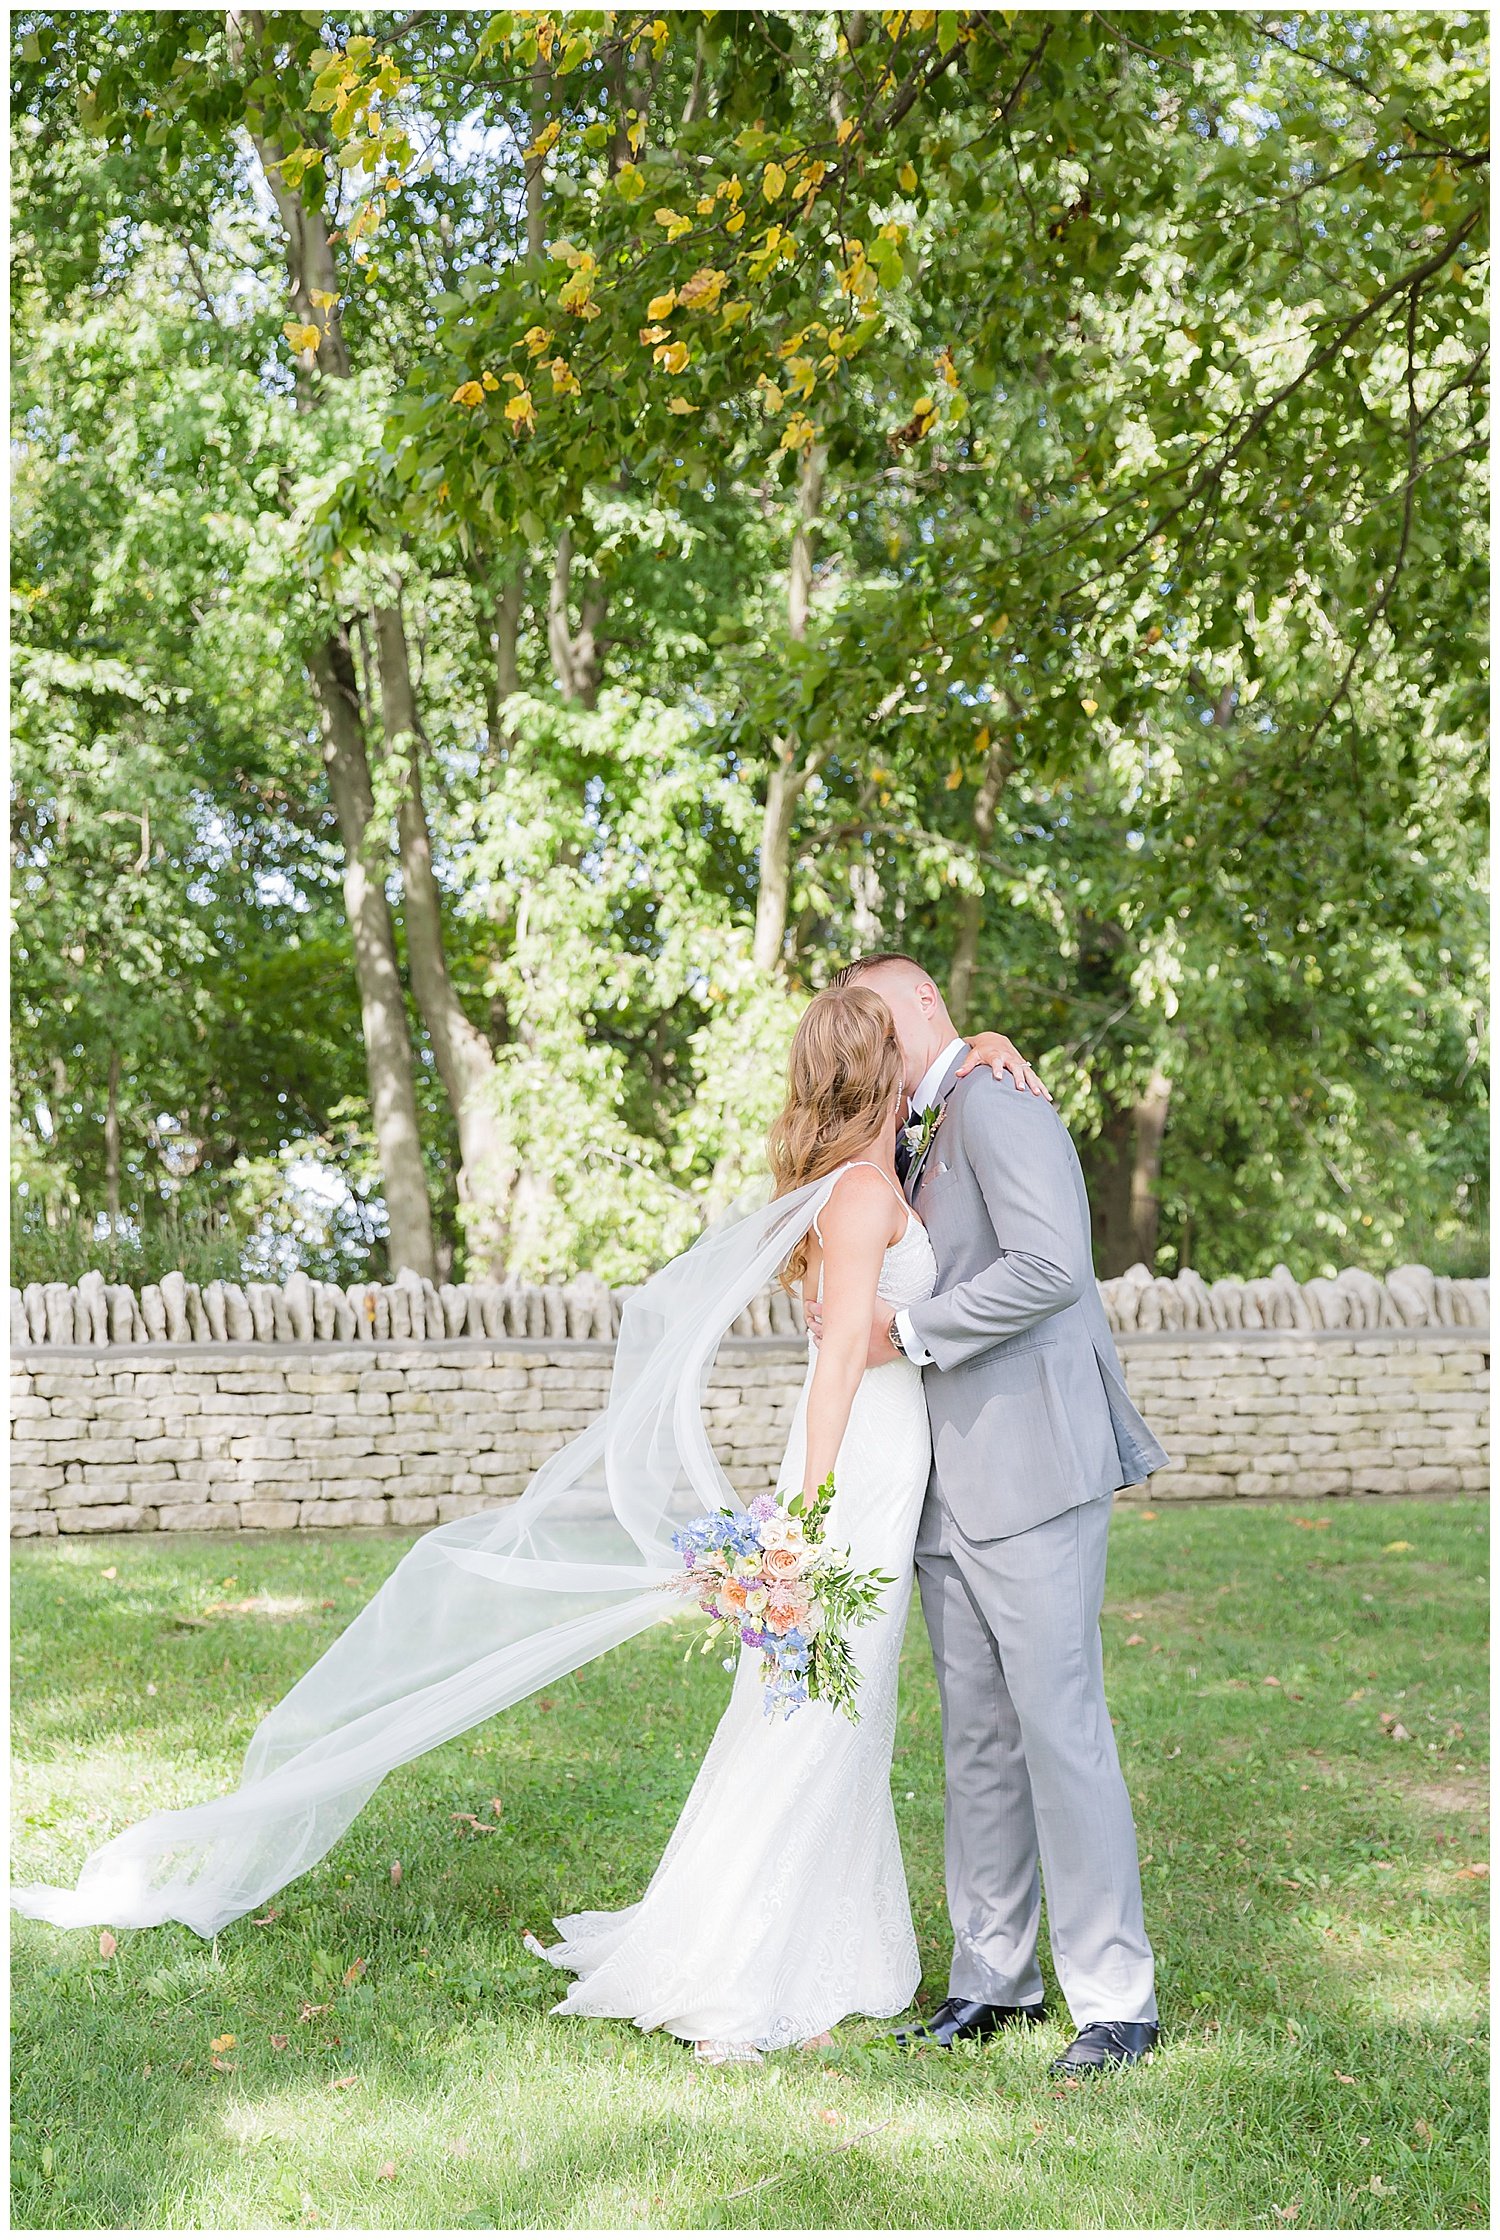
779	1905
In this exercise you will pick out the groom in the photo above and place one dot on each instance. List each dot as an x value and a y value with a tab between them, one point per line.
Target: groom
1032	1433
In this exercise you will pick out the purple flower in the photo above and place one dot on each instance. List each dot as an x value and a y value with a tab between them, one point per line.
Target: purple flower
752	1637
763	1506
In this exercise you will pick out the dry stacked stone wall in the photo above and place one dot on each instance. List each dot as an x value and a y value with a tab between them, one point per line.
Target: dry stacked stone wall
407	1404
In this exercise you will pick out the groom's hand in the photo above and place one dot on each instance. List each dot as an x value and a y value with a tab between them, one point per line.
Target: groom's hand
1000	1054
881	1348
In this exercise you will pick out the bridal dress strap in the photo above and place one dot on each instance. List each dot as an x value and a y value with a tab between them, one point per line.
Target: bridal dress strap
843	1170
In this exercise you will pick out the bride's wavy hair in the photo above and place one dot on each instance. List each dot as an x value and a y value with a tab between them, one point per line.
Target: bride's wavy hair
844	1075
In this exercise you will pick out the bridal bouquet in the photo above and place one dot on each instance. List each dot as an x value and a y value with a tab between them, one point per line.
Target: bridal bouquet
767	1574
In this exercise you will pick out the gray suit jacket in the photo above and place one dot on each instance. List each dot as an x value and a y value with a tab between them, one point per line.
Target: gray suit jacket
1030	1415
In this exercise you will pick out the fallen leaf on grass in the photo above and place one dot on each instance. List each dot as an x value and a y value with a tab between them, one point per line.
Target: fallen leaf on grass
829	2115
1134	1640
1393	1727
1396	1548
264	1920
309	2010
387	2171
1478	1871
1148	1516
1269	1680
225	2068
355	1970
480	1827
279	2041
341	2084
220	2045
1424	2129
107	1946
1343	2079
111	1573
395	1871
1289	2214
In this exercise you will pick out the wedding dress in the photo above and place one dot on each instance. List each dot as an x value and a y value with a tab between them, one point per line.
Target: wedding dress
780	1905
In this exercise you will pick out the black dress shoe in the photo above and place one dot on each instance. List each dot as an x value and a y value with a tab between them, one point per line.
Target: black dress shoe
965	2018
1106	2045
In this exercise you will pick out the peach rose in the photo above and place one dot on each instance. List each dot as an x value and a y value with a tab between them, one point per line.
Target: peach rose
786	1607
782	1563
731	1595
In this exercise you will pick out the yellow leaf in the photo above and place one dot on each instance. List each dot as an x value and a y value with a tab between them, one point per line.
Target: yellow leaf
652	335
773	179
629	181
674	222
846	131
955	778
982	739
702	288
906	178
467	392
516	380
487	380
704	205
680	405
544	140
736	224
733	313
301	337
1395	1547
220	2045
661	307
1091	707
565	382
673	355
537	339
923	404
323	297
520	409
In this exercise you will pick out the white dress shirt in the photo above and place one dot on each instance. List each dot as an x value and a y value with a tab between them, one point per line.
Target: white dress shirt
926	1092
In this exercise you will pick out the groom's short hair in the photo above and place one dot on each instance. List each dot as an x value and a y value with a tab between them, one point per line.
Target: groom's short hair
852	971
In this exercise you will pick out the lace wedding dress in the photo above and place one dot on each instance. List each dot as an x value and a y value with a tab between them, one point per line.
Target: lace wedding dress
779	1905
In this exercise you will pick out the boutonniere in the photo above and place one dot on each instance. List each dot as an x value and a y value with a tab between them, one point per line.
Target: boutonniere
918	1133
917	1136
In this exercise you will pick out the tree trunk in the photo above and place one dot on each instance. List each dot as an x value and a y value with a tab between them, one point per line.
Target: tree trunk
1124	1174
1145	1173
388	1055
577	656
465	1061
112	1143
997	768
789	775
388	1059
498	621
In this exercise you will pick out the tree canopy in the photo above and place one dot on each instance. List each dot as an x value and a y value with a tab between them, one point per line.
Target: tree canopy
539	535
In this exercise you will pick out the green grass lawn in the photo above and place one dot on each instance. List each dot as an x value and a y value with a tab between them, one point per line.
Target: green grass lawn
1300	1702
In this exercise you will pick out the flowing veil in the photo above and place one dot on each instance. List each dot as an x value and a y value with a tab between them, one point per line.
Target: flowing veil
477	1614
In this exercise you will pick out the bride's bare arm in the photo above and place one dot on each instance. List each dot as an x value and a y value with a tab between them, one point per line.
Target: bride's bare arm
856	1225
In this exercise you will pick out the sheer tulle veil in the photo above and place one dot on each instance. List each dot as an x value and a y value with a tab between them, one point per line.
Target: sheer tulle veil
477	1614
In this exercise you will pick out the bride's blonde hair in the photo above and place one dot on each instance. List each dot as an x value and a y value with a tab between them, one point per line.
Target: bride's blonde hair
844	1075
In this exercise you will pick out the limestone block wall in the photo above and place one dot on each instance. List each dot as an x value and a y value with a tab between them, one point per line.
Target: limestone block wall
267	1435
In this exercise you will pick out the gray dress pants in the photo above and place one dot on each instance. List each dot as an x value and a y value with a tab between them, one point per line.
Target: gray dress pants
1035	1795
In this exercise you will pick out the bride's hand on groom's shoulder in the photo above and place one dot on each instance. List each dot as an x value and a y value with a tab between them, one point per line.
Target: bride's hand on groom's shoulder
1000	1054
